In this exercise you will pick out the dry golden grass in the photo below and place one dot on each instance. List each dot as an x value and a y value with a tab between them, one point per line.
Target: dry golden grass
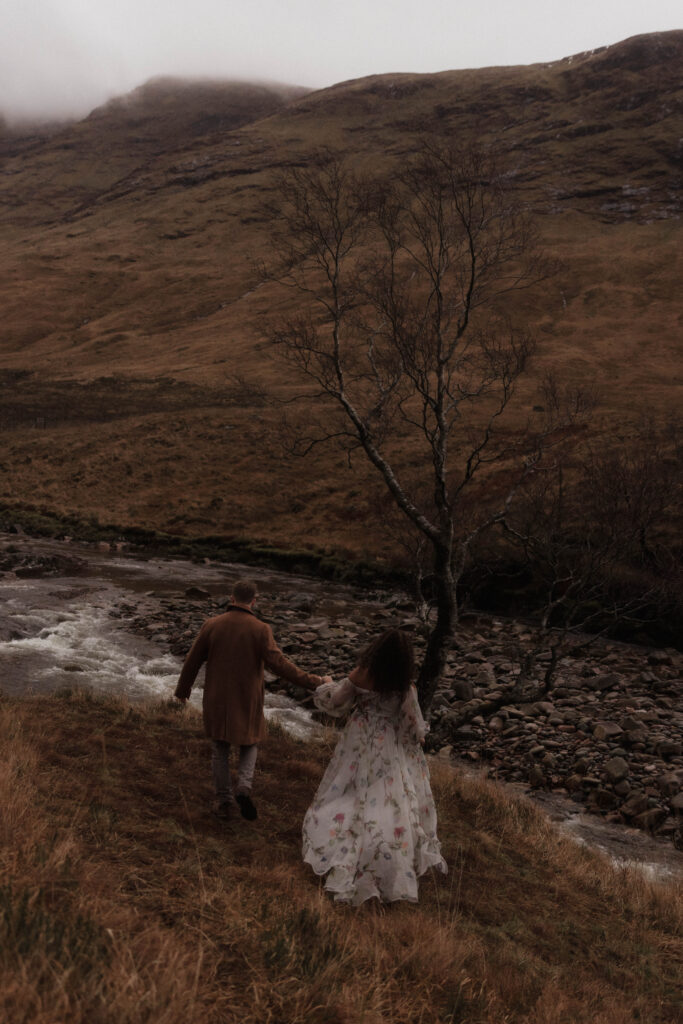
123	900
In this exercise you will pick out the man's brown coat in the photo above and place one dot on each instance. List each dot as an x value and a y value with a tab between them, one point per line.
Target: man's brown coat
236	646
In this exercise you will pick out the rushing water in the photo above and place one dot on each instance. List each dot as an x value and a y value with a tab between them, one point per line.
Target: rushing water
59	631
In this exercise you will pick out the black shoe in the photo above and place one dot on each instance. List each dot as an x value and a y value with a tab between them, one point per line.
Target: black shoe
246	806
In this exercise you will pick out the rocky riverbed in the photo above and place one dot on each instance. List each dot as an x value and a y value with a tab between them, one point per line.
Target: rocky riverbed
608	735
607	738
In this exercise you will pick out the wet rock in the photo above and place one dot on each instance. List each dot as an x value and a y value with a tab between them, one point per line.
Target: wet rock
676	803
604	799
668	749
41	566
631	723
543	707
464	732
649	820
537	777
197	594
463	689
609	681
637	803
616	769
636	737
301	602
669	784
486	676
607	730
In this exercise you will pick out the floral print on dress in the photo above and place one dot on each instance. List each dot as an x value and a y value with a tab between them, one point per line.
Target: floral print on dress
372	825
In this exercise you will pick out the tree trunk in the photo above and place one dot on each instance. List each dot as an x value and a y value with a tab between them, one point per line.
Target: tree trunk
443	634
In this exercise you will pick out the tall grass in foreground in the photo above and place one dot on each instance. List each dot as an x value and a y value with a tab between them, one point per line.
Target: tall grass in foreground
122	900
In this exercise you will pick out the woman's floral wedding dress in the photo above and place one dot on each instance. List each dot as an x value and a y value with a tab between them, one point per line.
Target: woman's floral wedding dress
372	825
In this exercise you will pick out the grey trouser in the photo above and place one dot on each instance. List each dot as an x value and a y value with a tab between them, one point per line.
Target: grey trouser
220	763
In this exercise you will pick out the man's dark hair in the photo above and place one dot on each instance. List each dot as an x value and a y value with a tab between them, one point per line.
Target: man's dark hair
244	591
390	662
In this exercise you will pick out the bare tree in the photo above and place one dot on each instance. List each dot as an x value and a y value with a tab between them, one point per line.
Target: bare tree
404	291
591	534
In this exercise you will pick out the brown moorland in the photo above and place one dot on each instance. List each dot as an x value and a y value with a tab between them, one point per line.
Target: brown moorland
123	900
135	378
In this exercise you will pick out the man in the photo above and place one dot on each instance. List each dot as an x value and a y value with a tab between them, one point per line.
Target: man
236	646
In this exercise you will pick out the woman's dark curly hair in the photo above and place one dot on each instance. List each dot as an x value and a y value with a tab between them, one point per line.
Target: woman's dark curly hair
390	662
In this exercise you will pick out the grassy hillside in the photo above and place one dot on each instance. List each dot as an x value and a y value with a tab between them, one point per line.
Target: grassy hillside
134	382
123	901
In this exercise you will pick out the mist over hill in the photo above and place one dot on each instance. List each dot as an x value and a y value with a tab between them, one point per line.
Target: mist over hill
134	378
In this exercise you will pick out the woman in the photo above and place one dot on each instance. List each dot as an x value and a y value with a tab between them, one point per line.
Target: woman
372	825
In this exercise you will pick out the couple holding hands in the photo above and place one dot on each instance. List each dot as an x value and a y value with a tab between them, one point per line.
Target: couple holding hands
371	828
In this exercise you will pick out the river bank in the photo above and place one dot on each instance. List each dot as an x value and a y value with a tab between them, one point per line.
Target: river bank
124	899
606	747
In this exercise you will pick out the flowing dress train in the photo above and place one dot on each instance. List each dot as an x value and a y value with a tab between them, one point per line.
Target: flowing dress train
372	825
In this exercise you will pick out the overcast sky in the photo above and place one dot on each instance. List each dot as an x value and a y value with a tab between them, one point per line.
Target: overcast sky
64	57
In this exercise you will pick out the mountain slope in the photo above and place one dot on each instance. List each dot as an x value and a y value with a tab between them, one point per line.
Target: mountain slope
128	247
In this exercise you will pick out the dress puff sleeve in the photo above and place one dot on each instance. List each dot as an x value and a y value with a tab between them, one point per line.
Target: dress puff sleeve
335	699
412	726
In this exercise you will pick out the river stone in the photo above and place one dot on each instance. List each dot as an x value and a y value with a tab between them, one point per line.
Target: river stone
463	689
636	736
637	803
607	730
536	777
616	769
676	803
631	722
462	732
197	594
659	658
572	783
486	675
511	730
668	749
622	788
544	707
605	682
669	783
668	829
649	820
603	798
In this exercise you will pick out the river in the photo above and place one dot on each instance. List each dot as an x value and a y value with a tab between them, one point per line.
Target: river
67	628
